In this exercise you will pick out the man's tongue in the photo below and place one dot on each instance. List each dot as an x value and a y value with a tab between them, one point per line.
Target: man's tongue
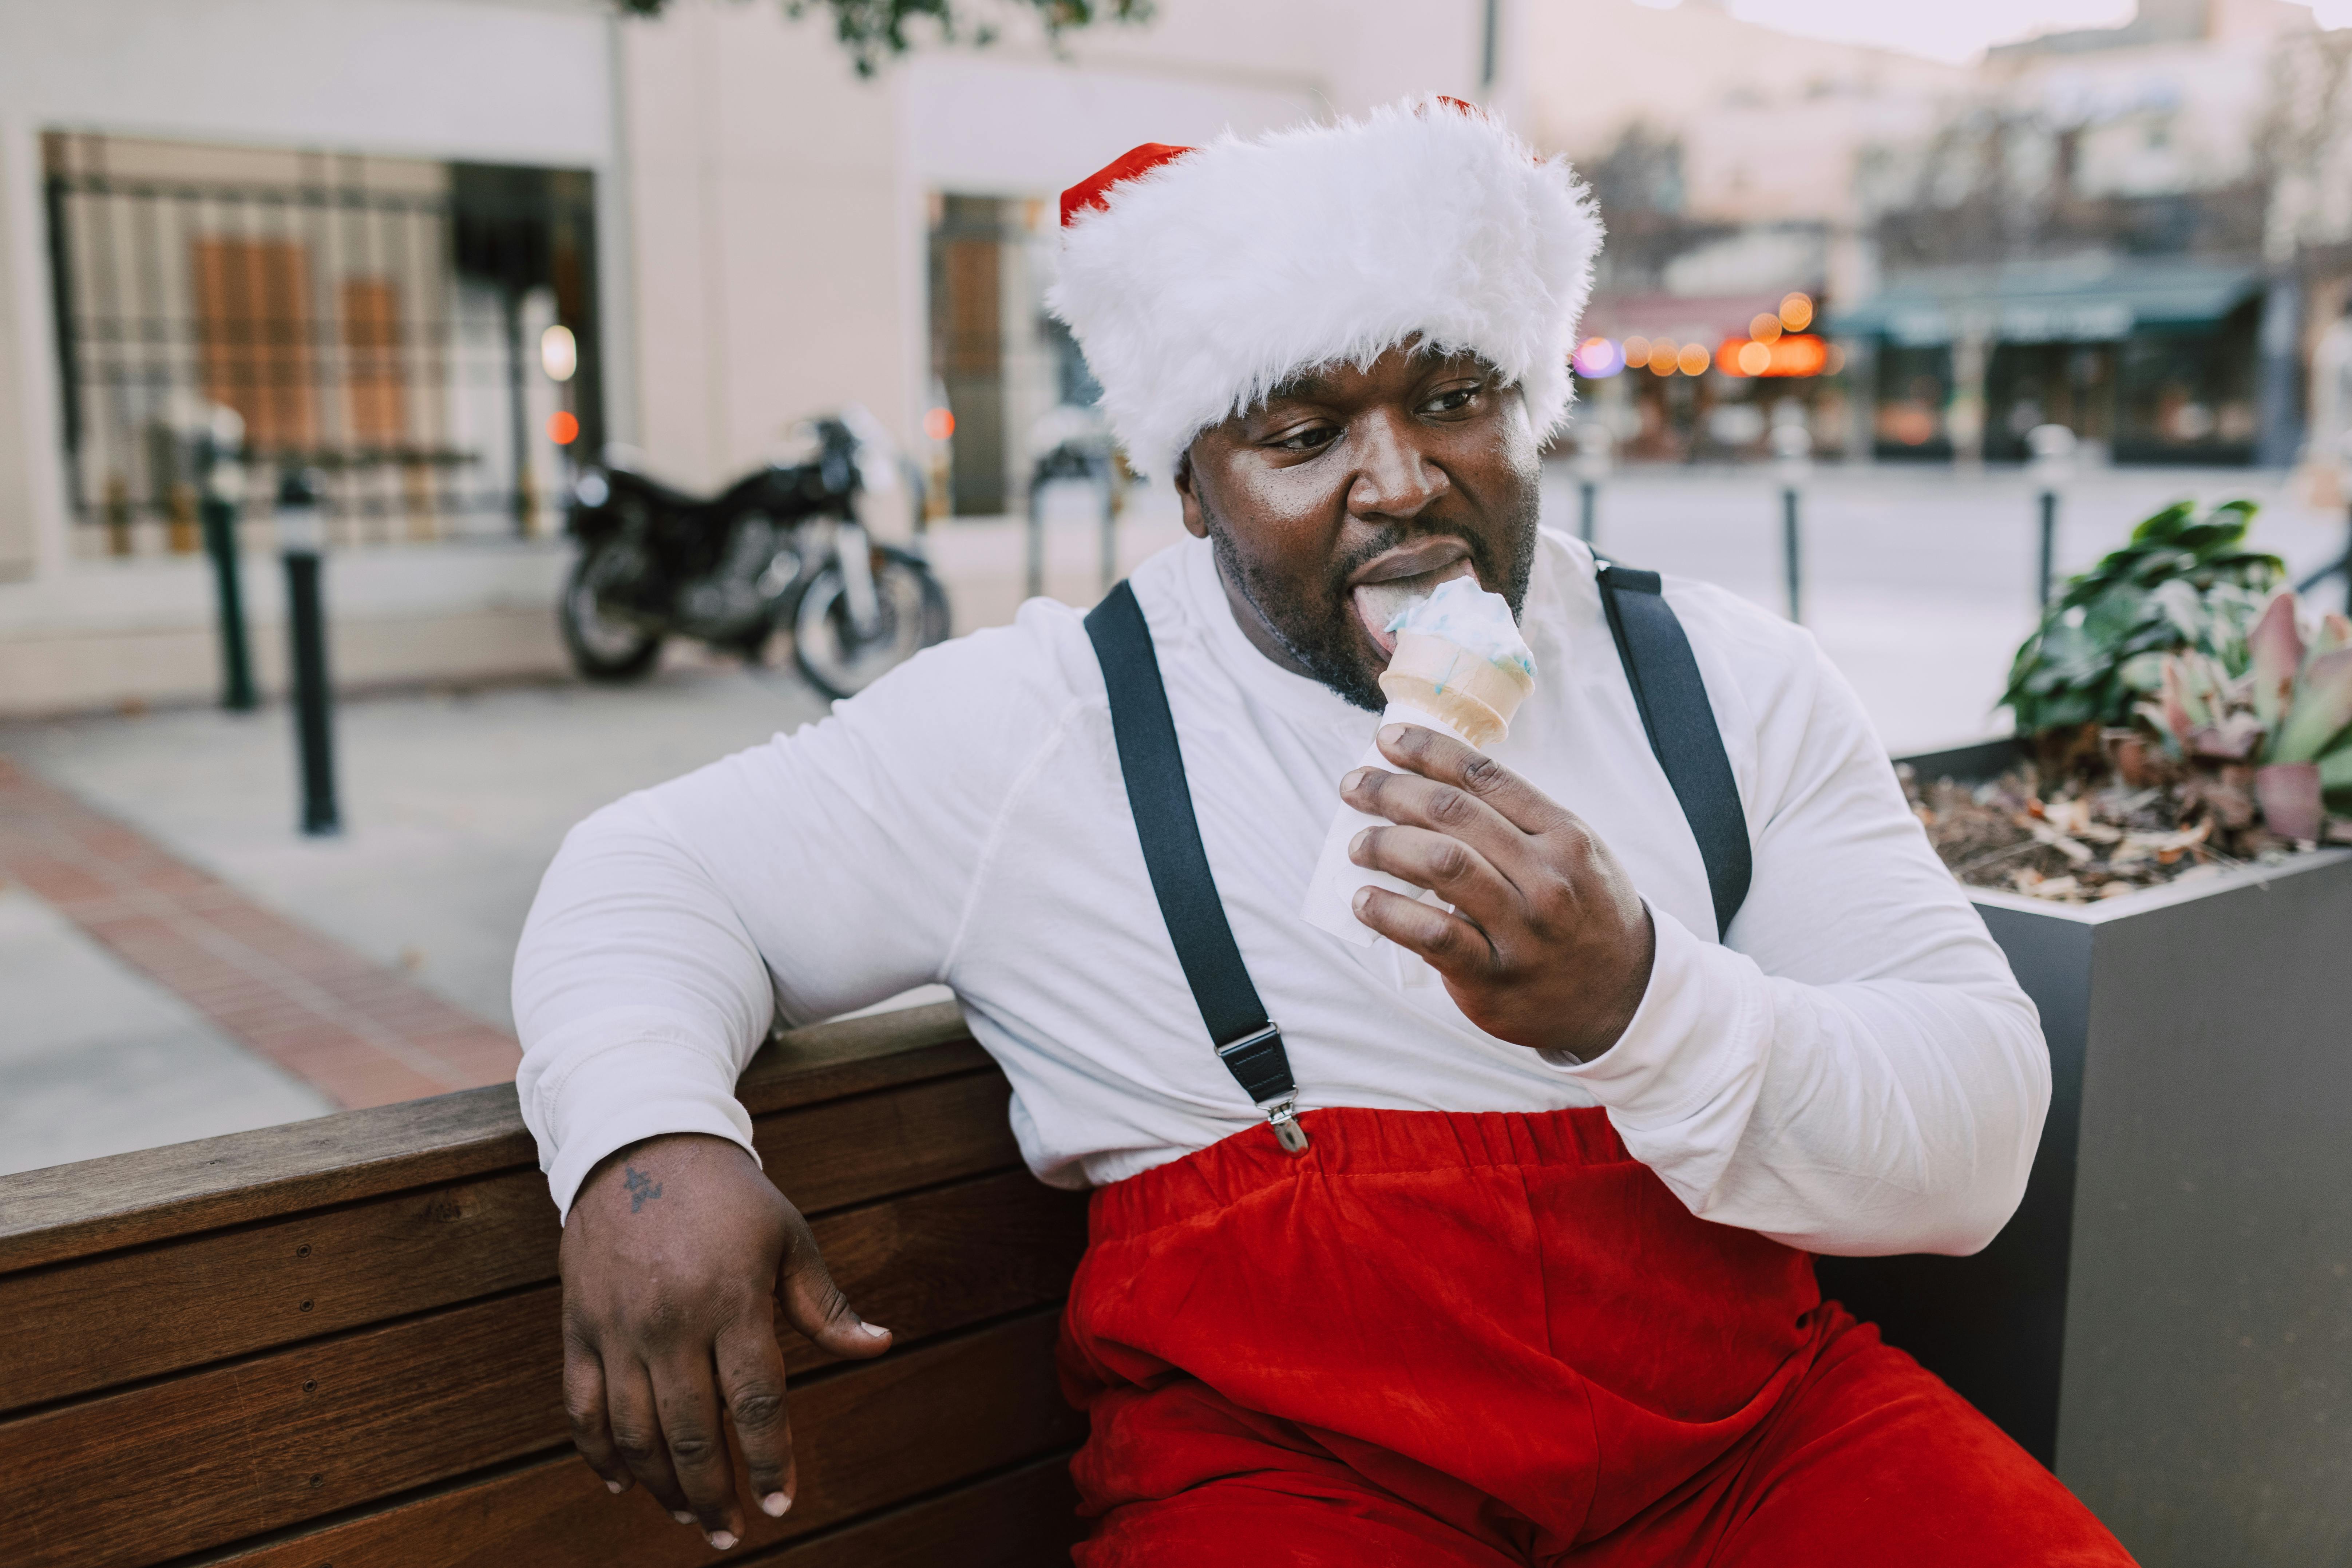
1377	604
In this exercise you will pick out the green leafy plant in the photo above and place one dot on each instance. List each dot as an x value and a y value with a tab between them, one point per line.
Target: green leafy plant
2183	583
875	31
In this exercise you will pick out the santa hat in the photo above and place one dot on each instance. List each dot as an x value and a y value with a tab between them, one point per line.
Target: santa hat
1198	278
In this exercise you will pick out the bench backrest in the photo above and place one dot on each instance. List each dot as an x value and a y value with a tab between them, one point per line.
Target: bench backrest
335	1343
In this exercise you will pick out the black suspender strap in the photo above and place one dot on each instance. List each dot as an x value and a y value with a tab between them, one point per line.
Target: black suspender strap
1247	1042
1681	725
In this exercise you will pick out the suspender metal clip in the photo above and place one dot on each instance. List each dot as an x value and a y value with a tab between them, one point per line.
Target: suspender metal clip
1286	1131
1262	1067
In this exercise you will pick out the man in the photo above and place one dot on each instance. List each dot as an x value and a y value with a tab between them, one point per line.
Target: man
1538	1288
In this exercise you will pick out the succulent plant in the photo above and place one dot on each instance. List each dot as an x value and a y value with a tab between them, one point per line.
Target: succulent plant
2288	714
2183	583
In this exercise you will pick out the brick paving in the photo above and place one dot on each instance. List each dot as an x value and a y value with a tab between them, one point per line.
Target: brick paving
358	1032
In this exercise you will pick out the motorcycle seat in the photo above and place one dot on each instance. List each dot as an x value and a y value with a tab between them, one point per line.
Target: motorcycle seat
655	492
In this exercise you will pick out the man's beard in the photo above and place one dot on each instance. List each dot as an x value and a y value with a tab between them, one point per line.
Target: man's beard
1324	633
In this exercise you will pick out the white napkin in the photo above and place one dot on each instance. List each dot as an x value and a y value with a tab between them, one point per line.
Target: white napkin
1331	891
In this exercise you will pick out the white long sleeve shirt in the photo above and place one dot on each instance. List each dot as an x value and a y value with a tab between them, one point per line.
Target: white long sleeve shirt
1853	1070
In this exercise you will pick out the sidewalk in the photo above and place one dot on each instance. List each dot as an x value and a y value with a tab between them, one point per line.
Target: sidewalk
281	976
193	965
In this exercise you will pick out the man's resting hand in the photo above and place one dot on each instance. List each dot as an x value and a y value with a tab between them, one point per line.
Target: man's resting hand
1548	945
676	1255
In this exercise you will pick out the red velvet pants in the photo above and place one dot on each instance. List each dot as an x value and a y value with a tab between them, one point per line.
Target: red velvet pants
1486	1340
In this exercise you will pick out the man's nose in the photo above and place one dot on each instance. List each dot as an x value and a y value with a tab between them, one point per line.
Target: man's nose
1394	475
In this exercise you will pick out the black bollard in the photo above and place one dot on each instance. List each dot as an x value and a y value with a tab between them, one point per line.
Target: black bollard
919	488
2054	451
1792	448
1109	527
2345	565
301	541
2340	567
2049	543
1033	573
219	515
1791	563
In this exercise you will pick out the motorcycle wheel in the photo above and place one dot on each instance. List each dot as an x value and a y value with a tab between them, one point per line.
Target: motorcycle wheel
912	614
604	648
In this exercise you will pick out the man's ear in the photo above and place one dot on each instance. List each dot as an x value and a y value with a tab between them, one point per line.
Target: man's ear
1196	520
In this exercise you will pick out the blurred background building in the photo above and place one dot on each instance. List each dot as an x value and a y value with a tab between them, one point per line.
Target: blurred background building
2136	231
437	247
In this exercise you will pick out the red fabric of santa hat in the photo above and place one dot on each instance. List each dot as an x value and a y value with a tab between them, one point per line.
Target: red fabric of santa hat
1197	280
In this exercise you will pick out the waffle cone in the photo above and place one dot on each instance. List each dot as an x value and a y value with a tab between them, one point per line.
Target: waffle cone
1474	697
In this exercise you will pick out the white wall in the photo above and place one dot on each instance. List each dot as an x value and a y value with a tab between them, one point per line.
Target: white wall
771	248
779	215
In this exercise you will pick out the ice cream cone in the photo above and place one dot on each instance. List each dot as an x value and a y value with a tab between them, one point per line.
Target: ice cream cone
1475	696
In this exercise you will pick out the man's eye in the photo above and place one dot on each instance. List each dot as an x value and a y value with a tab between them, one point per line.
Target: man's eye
1453	399
1315	437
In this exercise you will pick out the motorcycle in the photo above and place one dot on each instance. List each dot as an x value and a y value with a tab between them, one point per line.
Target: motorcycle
781	550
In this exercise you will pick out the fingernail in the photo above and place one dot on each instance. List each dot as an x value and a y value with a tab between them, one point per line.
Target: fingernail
774	1504
724	1540
1354	781
681	1516
1392	733
1356	845
615	1488
874	1330
1363	896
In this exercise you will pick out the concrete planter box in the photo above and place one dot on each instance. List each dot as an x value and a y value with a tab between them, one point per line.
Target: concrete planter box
2167	1320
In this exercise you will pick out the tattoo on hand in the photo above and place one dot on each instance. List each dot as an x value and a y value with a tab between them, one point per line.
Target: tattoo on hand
642	1189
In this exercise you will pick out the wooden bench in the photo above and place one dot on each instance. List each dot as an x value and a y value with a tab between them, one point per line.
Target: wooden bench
334	1344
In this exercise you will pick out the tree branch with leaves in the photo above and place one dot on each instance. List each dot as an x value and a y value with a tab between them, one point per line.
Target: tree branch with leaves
876	32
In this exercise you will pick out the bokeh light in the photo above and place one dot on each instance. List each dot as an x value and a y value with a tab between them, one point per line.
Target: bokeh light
1755	358
1765	327
938	424
1637	352
1598	358
559	352
1797	312
1693	360
563	427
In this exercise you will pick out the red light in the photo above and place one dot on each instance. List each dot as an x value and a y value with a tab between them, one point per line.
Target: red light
562	429
1793	354
938	424
1799	354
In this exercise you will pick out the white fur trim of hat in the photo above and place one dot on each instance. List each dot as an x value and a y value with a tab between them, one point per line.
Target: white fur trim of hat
1199	284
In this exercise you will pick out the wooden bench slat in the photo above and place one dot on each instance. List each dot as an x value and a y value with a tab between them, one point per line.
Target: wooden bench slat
231	1292
890	1429
189	1462
1023	1518
127	1200
933	1261
853	1150
196	1462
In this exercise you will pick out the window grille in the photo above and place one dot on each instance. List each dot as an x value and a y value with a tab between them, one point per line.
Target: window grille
378	319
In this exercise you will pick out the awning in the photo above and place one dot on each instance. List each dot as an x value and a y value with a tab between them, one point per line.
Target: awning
2043	302
1686	319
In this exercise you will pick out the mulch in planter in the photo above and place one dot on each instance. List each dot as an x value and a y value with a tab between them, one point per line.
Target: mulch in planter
2097	813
